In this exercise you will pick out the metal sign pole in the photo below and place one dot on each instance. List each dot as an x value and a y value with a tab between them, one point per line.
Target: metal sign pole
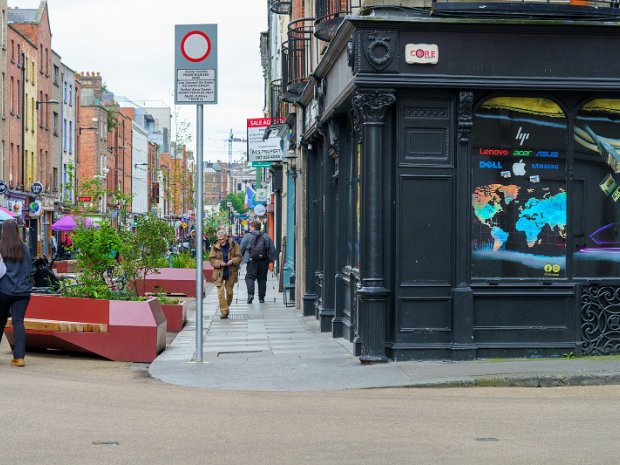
199	214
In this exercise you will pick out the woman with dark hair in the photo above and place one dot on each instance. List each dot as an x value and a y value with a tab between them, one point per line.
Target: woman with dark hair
15	287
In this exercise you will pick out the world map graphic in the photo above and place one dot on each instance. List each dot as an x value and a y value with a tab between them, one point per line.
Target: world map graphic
494	205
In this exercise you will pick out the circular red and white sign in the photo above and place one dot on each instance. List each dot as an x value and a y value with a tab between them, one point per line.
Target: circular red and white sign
195	46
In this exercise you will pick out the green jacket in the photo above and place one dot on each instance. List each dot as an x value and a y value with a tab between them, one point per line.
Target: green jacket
216	260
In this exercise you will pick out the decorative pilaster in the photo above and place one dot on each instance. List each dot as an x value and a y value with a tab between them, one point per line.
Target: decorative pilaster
371	108
462	295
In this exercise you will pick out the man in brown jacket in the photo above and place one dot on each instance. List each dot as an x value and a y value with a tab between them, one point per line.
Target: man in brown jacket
225	258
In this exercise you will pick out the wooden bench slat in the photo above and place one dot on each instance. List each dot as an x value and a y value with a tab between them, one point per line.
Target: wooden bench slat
35	324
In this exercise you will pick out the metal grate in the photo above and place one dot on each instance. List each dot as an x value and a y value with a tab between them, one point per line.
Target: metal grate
237	316
600	320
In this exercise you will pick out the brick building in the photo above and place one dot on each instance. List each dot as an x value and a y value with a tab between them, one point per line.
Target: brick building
92	129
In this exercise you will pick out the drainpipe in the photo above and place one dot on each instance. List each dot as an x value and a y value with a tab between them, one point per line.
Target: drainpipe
23	121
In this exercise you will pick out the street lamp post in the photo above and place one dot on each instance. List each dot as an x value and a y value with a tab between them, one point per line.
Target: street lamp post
230	215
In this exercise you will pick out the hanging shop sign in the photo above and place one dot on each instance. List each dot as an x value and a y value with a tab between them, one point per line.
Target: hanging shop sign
260	210
35	208
262	146
36	188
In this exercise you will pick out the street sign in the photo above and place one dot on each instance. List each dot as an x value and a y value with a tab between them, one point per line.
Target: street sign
260	210
260	164
195	64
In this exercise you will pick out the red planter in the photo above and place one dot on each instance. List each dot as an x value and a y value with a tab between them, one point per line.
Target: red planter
177	281
65	266
207	271
136	331
176	315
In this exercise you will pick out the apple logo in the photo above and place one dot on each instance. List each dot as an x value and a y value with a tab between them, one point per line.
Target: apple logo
519	168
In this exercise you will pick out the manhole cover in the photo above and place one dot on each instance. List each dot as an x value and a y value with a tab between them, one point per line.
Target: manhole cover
240	353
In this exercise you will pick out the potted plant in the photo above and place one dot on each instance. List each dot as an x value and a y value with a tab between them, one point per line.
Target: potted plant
175	310
91	315
144	250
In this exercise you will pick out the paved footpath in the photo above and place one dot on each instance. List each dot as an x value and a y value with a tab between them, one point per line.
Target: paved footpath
271	347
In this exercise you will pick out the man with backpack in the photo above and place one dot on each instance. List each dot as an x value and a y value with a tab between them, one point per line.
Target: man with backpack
258	252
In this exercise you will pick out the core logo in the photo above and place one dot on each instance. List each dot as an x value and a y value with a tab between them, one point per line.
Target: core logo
522	136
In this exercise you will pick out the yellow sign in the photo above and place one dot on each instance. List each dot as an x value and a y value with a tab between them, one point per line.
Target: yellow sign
184	225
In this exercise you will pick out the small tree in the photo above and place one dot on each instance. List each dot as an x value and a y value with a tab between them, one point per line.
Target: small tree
146	248
96	251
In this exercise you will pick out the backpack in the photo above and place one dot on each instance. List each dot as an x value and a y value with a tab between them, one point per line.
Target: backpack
259	248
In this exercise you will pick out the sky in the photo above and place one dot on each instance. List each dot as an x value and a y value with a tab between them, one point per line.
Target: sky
131	43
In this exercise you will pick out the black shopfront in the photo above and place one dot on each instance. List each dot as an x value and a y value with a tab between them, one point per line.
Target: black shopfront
463	187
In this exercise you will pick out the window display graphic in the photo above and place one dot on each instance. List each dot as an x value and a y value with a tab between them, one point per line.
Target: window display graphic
597	161
519	200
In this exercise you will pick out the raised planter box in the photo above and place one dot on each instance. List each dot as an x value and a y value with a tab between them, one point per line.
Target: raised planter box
117	330
172	281
65	266
176	315
208	271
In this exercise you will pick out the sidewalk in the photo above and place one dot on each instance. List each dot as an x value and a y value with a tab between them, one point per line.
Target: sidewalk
270	347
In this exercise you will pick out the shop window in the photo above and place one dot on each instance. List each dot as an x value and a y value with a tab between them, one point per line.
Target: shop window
519	189
596	191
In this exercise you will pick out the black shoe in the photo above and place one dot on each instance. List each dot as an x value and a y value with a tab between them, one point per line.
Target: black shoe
250	299
261	300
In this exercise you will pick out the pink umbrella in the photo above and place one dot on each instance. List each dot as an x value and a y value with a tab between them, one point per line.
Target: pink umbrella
67	223
6	214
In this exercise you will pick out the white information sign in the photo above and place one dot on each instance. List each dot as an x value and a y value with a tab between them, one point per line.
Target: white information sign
261	149
195	64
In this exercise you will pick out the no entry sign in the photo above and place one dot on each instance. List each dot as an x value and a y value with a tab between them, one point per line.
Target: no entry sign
195	64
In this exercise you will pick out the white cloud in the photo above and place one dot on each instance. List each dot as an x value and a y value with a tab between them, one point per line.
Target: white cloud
131	43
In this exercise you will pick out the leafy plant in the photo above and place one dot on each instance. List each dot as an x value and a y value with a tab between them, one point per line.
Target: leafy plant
182	260
96	251
146	246
165	300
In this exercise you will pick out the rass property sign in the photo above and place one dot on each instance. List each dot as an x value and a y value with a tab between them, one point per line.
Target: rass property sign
262	146
195	64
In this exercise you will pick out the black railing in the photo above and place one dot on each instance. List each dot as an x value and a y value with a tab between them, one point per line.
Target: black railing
280	7
300	33
568	9
278	110
329	15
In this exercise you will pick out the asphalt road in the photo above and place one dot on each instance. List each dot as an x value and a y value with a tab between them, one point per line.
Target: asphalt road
68	410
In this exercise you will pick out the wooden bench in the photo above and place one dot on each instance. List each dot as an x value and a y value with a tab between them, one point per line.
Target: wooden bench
125	331
36	324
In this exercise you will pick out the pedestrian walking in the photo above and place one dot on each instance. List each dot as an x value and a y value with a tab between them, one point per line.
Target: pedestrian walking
15	288
258	252
225	258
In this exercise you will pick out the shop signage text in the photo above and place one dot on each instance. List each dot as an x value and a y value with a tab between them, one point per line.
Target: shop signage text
424	54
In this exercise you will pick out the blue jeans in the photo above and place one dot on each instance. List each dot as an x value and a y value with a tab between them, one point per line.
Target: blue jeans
15	306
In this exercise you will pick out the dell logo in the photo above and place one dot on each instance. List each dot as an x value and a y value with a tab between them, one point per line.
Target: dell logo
522	136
